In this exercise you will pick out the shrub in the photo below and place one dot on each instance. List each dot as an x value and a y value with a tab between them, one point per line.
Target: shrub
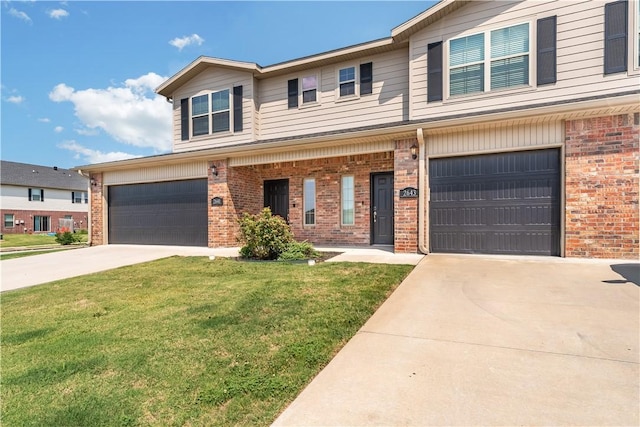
264	235
298	250
65	238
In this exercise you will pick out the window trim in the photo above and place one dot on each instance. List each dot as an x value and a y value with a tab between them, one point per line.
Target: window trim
446	68
301	90
13	220
343	199
48	223
634	38
304	202
32	192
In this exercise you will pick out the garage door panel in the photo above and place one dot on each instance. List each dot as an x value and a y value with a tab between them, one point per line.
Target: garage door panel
161	213
499	203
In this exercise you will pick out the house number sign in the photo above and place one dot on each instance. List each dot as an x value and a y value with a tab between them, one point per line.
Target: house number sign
216	201
409	193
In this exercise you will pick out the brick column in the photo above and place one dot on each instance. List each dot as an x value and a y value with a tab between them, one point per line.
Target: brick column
97	206
602	157
222	219
405	209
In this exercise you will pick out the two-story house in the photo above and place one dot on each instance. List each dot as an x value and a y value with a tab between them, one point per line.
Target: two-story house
39	199
500	127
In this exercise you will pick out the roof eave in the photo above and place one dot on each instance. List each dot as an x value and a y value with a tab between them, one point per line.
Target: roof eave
420	21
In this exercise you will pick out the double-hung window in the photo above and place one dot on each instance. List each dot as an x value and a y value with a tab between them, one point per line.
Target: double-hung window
347	81
36	195
309	193
210	113
309	89
9	220
491	60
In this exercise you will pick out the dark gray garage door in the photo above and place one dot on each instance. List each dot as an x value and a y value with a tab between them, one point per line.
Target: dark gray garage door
506	203
159	213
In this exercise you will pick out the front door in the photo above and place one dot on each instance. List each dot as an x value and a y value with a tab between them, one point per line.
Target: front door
382	209
276	197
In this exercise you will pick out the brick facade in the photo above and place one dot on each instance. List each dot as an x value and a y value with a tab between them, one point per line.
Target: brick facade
98	211
602	157
20	227
242	188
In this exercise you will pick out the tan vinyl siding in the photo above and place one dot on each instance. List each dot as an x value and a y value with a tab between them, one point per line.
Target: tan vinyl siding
388	103
494	137
211	80
157	173
580	52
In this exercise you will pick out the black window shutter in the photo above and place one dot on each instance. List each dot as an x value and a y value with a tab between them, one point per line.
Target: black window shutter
29	194
366	78
546	68
434	72
615	37
237	108
42	195
73	197
292	92
184	118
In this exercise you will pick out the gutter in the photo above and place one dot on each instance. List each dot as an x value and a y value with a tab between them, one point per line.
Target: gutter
423	244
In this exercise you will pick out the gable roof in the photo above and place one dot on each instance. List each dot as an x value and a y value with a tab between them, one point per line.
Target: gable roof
27	175
399	38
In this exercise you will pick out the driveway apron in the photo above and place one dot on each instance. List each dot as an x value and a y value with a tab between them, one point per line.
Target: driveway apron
471	340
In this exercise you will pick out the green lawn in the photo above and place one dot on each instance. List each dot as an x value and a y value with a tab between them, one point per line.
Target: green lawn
180	341
17	240
23	254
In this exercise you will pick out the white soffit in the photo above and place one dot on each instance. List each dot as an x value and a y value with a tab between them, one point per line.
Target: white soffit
191	170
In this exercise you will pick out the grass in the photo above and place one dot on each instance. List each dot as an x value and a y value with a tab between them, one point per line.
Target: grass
18	240
23	254
180	341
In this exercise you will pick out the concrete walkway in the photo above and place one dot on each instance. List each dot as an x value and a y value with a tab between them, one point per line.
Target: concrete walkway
37	269
472	340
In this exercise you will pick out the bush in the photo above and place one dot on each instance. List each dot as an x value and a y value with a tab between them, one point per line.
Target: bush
66	238
264	236
298	251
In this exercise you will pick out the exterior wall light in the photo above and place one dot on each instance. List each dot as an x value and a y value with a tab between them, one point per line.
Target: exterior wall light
414	151
93	182
214	170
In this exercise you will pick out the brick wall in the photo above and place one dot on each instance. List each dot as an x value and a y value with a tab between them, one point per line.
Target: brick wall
602	157
97	207
405	210
79	219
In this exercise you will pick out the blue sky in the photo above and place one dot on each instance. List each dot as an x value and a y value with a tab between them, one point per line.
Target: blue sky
78	77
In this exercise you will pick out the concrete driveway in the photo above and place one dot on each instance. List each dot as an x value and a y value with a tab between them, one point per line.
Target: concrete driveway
470	340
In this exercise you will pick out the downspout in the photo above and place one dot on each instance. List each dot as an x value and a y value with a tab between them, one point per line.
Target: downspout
423	244
89	212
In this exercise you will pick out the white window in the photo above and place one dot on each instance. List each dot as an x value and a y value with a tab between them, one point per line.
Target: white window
348	200
36	194
309	89
77	197
347	82
211	113
9	220
309	194
495	59
41	223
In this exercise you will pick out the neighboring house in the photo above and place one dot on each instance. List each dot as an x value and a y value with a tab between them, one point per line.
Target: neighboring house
502	127
38	199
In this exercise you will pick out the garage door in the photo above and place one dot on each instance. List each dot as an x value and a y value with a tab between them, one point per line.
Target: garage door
160	213
506	203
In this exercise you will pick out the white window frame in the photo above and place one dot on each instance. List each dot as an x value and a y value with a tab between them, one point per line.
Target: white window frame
634	36
305	208
344	200
78	196
302	90
36	192
13	221
355	80
488	60
210	113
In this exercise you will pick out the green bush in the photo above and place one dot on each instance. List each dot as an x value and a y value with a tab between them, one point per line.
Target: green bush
298	251
264	235
66	238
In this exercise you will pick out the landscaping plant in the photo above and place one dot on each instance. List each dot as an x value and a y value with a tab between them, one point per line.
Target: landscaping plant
265	236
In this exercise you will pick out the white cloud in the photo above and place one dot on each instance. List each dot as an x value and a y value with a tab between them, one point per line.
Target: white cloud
58	129
20	15
132	114
87	132
57	13
182	42
45	120
94	156
16	99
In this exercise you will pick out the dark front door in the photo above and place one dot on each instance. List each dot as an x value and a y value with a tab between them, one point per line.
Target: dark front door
507	203
276	197
382	209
